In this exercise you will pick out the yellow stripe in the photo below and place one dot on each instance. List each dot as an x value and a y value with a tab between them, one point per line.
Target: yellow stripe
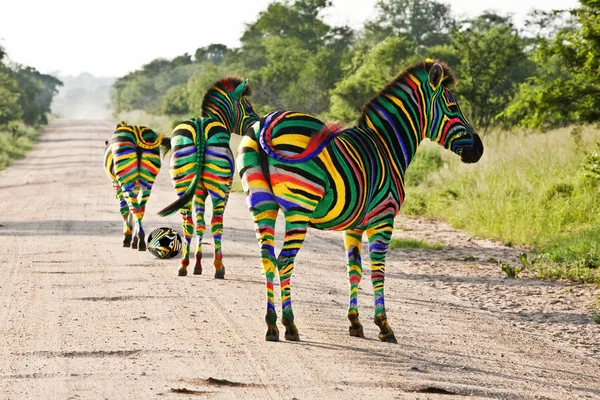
339	187
425	113
293	138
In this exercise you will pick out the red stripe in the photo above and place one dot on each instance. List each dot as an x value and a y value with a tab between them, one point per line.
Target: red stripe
446	129
295	182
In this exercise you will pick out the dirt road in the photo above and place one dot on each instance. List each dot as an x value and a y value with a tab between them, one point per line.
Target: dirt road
83	318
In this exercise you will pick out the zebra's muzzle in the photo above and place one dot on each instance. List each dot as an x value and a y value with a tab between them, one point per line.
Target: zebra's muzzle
473	153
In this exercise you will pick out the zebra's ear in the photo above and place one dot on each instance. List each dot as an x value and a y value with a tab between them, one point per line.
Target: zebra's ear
239	90
121	124
436	76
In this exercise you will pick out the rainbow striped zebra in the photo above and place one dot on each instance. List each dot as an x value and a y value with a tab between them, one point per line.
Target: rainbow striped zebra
202	164
351	180
132	161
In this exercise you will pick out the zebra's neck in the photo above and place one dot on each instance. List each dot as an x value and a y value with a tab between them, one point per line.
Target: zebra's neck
397	116
216	108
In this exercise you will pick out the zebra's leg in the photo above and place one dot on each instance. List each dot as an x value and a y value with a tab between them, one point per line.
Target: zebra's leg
379	235
295	233
124	209
264	208
130	195
216	228
148	169
188	232
353	244
139	215
199	208
264	218
265	232
142	199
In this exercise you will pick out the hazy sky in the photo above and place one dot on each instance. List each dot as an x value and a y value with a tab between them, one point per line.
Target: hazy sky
114	37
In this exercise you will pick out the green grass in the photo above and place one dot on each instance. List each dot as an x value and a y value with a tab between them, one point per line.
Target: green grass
159	123
402	243
236	186
14	145
529	190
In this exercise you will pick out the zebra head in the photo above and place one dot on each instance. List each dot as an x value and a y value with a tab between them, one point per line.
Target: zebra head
226	101
448	126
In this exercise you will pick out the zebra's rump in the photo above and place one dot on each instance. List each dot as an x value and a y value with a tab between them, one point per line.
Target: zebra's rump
141	136
109	163
295	137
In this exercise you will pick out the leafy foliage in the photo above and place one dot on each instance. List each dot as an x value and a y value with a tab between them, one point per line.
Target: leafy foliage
292	57
489	79
423	22
10	108
566	88
378	66
25	94
36	93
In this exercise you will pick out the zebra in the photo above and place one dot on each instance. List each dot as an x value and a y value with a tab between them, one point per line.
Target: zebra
132	161
202	163
350	180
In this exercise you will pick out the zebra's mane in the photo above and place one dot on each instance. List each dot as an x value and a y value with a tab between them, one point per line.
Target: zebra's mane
449	81
229	84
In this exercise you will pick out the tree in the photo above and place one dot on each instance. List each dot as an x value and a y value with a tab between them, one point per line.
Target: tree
175	101
292	57
566	89
178	61
199	83
382	63
493	63
423	22
145	89
36	92
214	53
10	109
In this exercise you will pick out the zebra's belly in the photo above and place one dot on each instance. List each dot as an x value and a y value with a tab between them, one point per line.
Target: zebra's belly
338	214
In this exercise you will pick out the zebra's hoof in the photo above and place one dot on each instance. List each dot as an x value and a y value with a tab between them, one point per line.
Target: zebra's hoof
356	330
182	272
388	338
272	334
291	334
197	270
142	247
220	273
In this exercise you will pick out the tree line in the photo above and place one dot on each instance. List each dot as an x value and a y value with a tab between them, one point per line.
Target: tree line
25	95
540	76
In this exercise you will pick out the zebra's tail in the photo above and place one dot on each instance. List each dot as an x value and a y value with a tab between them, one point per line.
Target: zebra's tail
185	198
165	146
316	143
188	195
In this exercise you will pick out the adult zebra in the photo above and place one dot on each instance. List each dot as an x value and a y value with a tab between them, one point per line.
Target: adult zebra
132	161
202	164
350	180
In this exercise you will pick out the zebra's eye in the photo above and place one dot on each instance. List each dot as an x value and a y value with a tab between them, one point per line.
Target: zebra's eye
453	108
249	109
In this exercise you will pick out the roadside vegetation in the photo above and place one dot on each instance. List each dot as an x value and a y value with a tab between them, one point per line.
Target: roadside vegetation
25	98
15	142
531	91
539	191
415	244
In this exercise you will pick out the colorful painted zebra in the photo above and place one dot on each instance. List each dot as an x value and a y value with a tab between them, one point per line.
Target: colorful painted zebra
132	161
350	180
202	164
